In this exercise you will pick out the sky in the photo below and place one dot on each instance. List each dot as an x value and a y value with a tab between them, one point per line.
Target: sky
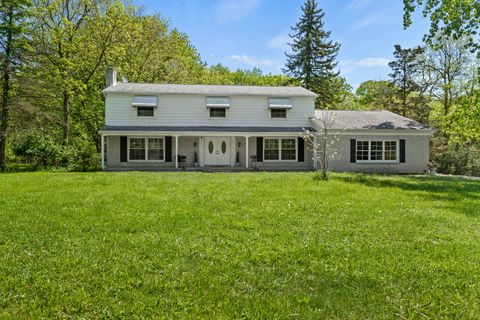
255	33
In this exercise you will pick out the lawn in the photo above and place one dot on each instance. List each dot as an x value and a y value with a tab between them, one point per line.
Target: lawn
241	245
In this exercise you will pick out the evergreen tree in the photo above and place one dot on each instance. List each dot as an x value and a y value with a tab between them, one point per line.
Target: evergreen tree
13	43
405	70
312	60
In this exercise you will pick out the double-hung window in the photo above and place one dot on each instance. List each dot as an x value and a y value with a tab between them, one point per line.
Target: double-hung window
280	149
146	149
377	151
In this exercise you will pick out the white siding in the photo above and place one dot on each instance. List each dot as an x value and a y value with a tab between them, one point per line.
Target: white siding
190	110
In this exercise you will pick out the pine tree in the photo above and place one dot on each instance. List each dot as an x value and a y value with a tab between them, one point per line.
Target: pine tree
405	70
312	60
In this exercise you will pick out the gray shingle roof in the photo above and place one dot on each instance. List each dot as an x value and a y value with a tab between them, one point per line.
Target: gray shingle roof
365	119
151	88
203	128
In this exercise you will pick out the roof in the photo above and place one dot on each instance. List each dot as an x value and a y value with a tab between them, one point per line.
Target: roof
366	119
204	128
151	88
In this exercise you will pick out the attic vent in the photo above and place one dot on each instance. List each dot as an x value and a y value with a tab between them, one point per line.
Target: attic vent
218	102
279	103
144	101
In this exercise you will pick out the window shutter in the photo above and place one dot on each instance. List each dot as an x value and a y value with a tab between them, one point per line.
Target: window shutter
260	149
301	150
402	150
123	149
168	149
353	150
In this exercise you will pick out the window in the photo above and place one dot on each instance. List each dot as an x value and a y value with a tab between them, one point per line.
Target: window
137	149
147	149
217	112
377	151
278	113
145	111
275	149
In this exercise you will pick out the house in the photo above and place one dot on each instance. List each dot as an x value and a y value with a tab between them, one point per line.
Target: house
166	126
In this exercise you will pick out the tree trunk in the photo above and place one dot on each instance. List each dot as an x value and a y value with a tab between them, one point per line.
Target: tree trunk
6	90
66	115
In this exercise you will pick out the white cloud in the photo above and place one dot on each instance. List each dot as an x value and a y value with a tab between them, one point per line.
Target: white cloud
252	61
235	10
350	65
279	42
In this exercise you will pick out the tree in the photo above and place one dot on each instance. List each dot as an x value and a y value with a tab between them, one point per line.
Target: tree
405	71
312	60
72	41
454	19
447	62
377	95
322	144
13	43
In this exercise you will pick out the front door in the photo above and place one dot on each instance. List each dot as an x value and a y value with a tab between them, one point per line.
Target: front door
217	151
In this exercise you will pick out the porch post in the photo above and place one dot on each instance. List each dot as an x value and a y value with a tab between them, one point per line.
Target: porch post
102	155
246	152
176	152
315	155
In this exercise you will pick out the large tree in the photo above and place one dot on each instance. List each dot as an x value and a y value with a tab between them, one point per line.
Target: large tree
13	43
406	69
377	95
313	56
454	18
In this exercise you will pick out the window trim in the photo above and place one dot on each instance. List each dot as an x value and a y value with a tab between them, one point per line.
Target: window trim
146	149
280	149
145	117
210	112
369	140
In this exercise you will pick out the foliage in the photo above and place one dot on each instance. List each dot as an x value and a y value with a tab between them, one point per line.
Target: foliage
38	150
13	45
313	56
199	246
376	95
455	19
460	160
463	122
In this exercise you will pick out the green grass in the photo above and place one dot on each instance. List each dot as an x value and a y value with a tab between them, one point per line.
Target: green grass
245	245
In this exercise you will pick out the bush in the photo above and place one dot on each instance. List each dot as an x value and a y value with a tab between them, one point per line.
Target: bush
460	161
82	156
38	151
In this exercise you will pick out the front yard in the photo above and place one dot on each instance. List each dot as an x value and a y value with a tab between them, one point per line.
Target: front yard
244	245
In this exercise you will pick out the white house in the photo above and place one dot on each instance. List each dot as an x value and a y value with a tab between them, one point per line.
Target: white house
165	126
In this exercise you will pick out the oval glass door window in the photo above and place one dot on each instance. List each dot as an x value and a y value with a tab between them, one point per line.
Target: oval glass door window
224	147
210	147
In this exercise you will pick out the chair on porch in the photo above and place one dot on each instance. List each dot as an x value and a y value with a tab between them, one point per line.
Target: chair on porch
182	162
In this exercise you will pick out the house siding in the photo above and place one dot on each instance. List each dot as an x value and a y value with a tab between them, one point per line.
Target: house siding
191	110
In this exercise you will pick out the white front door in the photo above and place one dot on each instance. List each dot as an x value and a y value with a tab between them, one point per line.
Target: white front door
217	151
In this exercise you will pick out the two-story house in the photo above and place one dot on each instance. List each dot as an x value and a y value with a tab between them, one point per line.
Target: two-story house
162	126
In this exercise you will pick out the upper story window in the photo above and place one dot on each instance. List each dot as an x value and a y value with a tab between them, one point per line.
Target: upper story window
145	112
218	106
278	107
377	151
145	105
218	112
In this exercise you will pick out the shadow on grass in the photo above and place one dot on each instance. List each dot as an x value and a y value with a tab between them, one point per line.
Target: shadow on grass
459	194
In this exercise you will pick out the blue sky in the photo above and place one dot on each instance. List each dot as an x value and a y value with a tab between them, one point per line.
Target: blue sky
254	33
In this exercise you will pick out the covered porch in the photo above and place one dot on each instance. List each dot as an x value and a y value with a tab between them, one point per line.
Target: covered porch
204	151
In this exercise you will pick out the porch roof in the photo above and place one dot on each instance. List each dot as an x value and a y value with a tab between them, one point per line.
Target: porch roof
203	129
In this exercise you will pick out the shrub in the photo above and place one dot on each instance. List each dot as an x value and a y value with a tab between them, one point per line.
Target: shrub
38	150
82	155
460	161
